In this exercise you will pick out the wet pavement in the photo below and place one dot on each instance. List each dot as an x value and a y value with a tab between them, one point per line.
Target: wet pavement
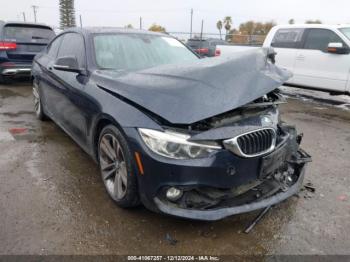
52	200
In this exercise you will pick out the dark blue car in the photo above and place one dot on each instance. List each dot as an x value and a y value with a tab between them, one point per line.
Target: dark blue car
19	43
189	137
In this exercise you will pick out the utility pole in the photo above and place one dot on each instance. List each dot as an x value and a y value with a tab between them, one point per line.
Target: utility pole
191	22
140	22
24	16
81	21
202	30
34	11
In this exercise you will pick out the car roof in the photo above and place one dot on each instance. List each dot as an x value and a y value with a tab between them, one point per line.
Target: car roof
326	26
99	30
3	23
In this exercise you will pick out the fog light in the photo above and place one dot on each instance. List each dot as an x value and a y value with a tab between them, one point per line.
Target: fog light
173	194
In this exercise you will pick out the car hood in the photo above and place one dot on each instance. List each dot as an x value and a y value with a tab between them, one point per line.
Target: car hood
190	92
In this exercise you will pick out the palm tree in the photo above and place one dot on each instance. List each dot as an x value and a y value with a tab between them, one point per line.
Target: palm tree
228	24
219	27
67	14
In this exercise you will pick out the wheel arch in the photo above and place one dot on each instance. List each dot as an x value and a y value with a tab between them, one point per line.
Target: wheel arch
101	123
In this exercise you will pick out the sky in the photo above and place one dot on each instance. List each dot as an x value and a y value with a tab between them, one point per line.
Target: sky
174	15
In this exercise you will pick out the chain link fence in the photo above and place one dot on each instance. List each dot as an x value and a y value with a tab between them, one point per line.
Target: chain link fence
234	39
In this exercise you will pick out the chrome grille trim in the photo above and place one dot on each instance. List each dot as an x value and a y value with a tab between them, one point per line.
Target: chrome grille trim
252	144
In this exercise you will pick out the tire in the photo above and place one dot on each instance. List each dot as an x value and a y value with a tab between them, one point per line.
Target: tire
115	162
38	108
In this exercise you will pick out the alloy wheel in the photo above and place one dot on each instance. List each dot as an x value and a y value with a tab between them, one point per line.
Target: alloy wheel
37	106
113	166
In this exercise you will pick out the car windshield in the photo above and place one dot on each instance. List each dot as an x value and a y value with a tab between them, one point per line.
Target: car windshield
138	51
346	31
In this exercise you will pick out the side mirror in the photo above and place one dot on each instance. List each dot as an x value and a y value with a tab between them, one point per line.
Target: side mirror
67	63
338	48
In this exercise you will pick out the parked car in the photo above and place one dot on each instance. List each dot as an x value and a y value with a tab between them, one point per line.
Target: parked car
19	43
317	55
189	137
206	47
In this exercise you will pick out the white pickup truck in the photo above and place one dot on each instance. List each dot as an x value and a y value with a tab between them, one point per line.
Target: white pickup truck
318	55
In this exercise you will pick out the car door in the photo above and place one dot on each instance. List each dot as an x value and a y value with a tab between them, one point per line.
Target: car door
315	67
69	97
286	43
48	80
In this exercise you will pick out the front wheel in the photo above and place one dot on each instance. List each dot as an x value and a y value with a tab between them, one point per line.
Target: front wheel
115	161
37	103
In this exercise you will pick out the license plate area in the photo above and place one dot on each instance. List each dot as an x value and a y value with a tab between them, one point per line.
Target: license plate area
272	162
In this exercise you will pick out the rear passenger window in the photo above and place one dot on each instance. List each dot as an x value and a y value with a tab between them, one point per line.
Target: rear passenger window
73	45
53	47
287	38
318	39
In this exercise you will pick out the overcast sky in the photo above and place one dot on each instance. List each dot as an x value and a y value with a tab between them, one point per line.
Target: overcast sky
174	15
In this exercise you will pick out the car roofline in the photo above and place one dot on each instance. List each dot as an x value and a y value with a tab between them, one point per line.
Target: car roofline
111	30
308	26
3	23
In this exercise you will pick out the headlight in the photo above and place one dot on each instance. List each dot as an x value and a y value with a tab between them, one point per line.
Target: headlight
175	145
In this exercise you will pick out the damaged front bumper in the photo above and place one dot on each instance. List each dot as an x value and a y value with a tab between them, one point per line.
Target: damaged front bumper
224	184
220	213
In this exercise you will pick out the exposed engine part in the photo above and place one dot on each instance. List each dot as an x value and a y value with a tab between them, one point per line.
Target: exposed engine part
259	106
285	178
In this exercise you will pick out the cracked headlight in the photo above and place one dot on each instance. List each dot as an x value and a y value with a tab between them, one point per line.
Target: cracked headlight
175	145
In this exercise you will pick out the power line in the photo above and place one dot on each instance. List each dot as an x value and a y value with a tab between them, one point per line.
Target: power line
122	11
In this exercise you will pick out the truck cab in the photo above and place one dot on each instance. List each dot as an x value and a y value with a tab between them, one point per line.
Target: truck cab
317	55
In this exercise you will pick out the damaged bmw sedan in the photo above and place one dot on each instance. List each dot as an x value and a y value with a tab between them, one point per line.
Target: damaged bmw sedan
193	138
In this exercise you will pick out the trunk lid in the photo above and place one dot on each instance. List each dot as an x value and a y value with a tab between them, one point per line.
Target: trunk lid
30	40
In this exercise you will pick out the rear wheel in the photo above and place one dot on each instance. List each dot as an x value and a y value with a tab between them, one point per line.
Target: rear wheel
115	160
39	112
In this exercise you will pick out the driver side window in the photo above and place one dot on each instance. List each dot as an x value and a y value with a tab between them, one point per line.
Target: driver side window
73	45
53	48
318	39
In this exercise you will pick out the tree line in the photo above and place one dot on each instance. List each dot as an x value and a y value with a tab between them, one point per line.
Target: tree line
250	27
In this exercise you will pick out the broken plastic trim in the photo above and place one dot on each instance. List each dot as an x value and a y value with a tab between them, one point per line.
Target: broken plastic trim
212	215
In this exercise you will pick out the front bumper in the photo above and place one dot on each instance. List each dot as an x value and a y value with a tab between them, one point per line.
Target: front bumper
212	215
222	172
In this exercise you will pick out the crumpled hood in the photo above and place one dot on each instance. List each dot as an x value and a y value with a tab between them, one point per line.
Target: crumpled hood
188	93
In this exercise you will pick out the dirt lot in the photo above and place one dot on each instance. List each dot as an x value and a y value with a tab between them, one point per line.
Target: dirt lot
52	200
